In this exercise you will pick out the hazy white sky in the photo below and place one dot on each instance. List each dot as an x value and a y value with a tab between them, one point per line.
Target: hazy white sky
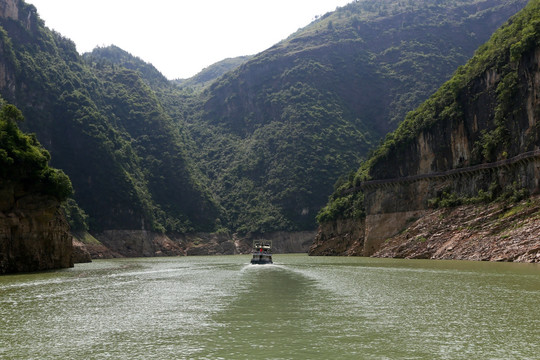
181	37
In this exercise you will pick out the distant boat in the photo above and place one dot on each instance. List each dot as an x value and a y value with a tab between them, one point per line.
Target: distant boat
262	252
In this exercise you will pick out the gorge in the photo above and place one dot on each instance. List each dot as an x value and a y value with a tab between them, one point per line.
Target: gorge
252	147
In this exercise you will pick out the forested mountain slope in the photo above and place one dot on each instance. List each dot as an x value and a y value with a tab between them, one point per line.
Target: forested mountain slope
275	134
105	127
475	141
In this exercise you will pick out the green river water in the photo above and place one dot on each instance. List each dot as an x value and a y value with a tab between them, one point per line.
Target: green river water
299	308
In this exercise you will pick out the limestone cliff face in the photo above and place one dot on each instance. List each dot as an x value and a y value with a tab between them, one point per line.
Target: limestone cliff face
9	9
453	144
284	242
19	11
343	238
446	158
142	243
34	234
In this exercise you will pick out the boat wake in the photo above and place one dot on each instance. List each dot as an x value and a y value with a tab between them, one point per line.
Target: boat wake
257	267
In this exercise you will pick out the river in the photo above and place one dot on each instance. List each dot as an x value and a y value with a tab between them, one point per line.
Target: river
299	308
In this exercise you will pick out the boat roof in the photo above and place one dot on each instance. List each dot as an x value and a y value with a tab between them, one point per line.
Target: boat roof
265	244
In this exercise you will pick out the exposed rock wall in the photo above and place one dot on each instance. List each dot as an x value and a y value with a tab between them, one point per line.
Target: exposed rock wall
345	237
494	232
141	243
34	234
80	252
453	143
9	9
284	242
390	207
18	10
86	247
7	71
449	148
6	77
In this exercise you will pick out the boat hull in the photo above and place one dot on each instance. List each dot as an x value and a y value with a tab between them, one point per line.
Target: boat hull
261	259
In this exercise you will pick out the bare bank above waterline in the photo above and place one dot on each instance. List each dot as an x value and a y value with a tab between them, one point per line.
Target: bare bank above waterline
490	232
142	243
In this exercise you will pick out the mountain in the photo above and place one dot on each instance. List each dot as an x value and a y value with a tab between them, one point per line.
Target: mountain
474	145
105	127
212	72
107	56
274	134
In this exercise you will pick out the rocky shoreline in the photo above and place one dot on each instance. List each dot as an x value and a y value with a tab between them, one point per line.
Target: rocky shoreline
495	232
141	243
491	232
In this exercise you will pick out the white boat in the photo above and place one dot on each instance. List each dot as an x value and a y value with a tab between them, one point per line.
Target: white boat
262	252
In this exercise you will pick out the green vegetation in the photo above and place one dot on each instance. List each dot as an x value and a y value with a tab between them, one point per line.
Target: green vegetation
421	239
23	160
444	105
511	193
518	209
76	217
350	206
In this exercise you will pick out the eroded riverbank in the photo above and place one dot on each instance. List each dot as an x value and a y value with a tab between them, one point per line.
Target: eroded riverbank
487	232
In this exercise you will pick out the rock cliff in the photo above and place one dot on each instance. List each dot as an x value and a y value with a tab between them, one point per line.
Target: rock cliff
33	232
9	9
445	158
